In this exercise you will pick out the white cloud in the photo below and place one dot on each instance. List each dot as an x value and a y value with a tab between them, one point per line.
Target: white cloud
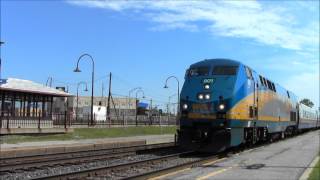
292	25
271	23
305	85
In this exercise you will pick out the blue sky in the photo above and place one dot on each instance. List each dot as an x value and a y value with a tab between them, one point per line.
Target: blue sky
144	42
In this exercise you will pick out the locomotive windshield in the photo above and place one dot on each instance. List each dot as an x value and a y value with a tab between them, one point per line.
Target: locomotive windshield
198	71
225	70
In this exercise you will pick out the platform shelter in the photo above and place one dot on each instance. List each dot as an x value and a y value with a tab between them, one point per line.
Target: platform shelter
26	106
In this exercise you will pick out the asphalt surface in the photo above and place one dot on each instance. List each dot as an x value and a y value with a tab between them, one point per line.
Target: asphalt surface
282	160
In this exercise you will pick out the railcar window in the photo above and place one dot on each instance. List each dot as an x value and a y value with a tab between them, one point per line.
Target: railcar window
261	80
199	71
274	87
265	82
225	70
269	84
249	72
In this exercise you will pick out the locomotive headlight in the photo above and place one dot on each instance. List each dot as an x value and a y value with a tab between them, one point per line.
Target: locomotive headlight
185	106
207	96
200	96
207	86
221	106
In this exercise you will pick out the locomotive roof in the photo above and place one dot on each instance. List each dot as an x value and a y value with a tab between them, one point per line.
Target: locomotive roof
220	61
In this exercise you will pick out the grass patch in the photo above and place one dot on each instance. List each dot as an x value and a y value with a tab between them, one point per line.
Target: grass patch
315	174
91	133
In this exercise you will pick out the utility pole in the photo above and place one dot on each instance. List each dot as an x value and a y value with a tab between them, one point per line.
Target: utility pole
150	112
102	95
49	81
109	95
102	91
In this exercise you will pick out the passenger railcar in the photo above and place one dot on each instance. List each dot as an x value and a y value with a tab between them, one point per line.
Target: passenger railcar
225	103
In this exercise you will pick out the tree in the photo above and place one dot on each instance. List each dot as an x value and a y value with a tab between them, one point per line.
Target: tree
307	102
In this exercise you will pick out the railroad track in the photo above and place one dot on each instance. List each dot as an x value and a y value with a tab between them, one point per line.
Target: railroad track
134	167
12	164
118	171
143	169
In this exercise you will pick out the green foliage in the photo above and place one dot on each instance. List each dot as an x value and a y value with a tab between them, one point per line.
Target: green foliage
315	174
307	102
92	133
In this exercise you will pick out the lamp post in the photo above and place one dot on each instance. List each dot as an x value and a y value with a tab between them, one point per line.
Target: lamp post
131	91
166	86
169	102
140	90
1	43
82	82
92	81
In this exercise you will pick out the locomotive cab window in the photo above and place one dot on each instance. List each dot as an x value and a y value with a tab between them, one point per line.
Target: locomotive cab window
198	71
225	70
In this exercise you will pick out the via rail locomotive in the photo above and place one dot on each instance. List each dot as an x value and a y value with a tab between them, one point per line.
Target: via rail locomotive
225	103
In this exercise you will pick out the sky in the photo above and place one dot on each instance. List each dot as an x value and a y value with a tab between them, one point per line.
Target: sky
144	42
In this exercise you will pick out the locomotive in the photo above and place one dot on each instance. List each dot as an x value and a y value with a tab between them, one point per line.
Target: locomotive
224	103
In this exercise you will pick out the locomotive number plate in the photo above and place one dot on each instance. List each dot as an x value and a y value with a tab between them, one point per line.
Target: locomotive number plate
208	81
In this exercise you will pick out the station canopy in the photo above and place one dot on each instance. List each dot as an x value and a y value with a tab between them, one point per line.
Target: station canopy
27	86
26	99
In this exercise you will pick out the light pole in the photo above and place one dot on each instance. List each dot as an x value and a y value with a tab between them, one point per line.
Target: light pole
82	82
131	91
166	86
1	43
140	90
49	81
169	102
92	81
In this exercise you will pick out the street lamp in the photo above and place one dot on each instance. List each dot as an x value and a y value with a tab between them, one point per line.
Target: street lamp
131	91
49	81
82	82
169	102
92	81
166	86
1	42
140	90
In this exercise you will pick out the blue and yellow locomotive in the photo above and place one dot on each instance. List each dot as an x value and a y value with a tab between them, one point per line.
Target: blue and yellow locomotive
225	103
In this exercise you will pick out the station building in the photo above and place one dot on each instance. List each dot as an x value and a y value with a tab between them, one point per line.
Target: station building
26	106
123	106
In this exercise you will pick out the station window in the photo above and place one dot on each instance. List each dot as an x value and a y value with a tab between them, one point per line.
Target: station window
288	94
225	70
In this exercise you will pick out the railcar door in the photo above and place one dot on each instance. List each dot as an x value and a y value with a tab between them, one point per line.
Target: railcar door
252	87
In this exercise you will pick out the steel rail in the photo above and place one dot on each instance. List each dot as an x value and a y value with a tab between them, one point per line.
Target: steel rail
105	169
11	164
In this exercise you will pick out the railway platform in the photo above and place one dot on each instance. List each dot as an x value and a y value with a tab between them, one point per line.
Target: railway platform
50	147
288	159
